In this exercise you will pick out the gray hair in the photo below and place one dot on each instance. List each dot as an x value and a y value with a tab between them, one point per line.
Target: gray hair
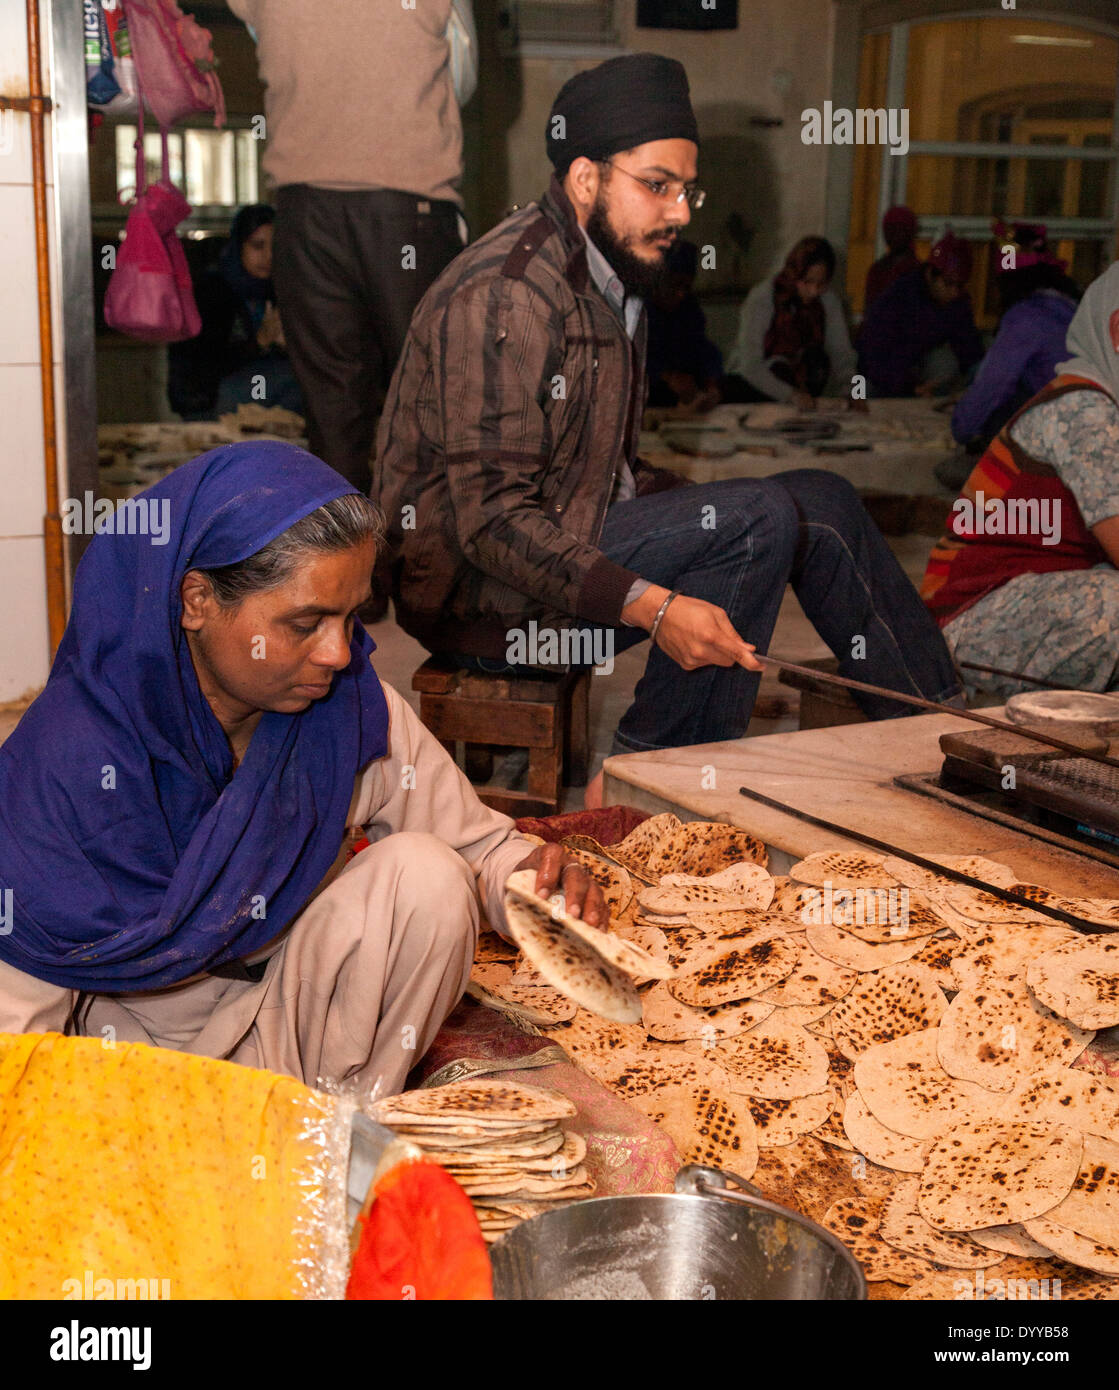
337	525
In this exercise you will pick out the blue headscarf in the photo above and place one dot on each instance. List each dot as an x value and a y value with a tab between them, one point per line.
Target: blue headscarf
135	857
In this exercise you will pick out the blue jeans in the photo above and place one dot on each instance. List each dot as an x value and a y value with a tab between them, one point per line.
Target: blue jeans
737	544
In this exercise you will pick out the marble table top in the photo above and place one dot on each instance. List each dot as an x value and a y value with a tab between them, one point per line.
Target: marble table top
844	775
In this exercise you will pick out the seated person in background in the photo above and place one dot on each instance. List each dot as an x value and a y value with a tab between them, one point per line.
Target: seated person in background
907	331
899	227
239	356
683	365
1025	580
1037	301
792	334
512	503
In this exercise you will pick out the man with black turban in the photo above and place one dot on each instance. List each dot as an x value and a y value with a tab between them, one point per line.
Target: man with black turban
521	522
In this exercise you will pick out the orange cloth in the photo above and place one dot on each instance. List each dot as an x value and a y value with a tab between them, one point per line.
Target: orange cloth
165	1174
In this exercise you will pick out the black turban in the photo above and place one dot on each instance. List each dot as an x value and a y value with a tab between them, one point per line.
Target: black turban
622	103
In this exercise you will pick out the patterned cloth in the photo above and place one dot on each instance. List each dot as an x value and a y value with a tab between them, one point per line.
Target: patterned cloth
1059	626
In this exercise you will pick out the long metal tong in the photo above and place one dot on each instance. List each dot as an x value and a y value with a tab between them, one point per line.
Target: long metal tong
828	678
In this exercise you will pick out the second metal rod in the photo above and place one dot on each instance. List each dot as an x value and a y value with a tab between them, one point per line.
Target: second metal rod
828	678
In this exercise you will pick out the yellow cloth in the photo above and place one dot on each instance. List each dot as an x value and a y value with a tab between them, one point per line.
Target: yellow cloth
135	1163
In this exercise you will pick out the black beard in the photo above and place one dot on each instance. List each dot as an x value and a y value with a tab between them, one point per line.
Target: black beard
646	279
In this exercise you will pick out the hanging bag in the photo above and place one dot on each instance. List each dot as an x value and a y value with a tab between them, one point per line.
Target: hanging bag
174	61
150	295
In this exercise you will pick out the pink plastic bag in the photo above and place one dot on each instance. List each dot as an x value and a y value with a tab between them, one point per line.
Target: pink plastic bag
174	62
150	295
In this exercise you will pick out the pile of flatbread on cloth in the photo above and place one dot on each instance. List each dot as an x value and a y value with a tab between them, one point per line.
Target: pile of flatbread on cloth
504	1143
891	1053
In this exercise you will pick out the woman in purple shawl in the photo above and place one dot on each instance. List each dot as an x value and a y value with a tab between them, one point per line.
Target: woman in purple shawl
177	806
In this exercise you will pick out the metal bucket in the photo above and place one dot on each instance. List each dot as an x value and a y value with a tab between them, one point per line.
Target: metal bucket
703	1241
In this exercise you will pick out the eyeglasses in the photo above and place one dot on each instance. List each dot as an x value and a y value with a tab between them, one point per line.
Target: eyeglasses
660	188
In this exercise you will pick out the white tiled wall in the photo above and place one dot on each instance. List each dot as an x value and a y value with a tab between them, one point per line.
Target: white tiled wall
24	642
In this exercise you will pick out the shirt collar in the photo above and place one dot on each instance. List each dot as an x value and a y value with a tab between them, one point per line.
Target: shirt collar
606	280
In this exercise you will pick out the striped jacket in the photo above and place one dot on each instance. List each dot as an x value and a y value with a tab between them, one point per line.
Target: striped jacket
515	399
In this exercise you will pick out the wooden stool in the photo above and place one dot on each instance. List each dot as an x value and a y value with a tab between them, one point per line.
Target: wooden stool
547	714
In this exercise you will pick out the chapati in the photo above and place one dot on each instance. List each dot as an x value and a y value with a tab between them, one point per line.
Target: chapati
774	1063
887	1147
900	999
985	907
880	915
707	1127
993	1173
474	1099
565	959
1070	1096
1070	1245
847	950
1079	981
1091	1207
635	849
1010	1240
814	983
974	865
704	847
498	979
997	1034
669	1020
1006	949
839	868
902	1226
749	884
492	947
855	1220
615	882
937	954
906	1088
781	1122
739	970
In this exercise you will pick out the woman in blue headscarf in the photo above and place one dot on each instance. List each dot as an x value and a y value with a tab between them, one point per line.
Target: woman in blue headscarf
177	806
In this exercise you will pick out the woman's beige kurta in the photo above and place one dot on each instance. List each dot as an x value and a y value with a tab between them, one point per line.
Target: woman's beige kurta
358	985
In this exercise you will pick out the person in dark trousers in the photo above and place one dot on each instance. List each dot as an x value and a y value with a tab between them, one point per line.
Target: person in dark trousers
906	329
682	363
899	227
365	148
239	355
507	456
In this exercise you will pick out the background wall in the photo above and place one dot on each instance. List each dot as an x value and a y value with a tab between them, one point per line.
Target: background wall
24	643
764	187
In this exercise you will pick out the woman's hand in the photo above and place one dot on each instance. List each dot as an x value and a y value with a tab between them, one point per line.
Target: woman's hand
271	330
556	868
803	401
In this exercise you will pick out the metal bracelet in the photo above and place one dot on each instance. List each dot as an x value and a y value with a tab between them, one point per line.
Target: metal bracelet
660	614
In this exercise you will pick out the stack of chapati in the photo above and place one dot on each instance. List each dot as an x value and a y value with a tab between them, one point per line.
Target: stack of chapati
873	1044
503	1142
